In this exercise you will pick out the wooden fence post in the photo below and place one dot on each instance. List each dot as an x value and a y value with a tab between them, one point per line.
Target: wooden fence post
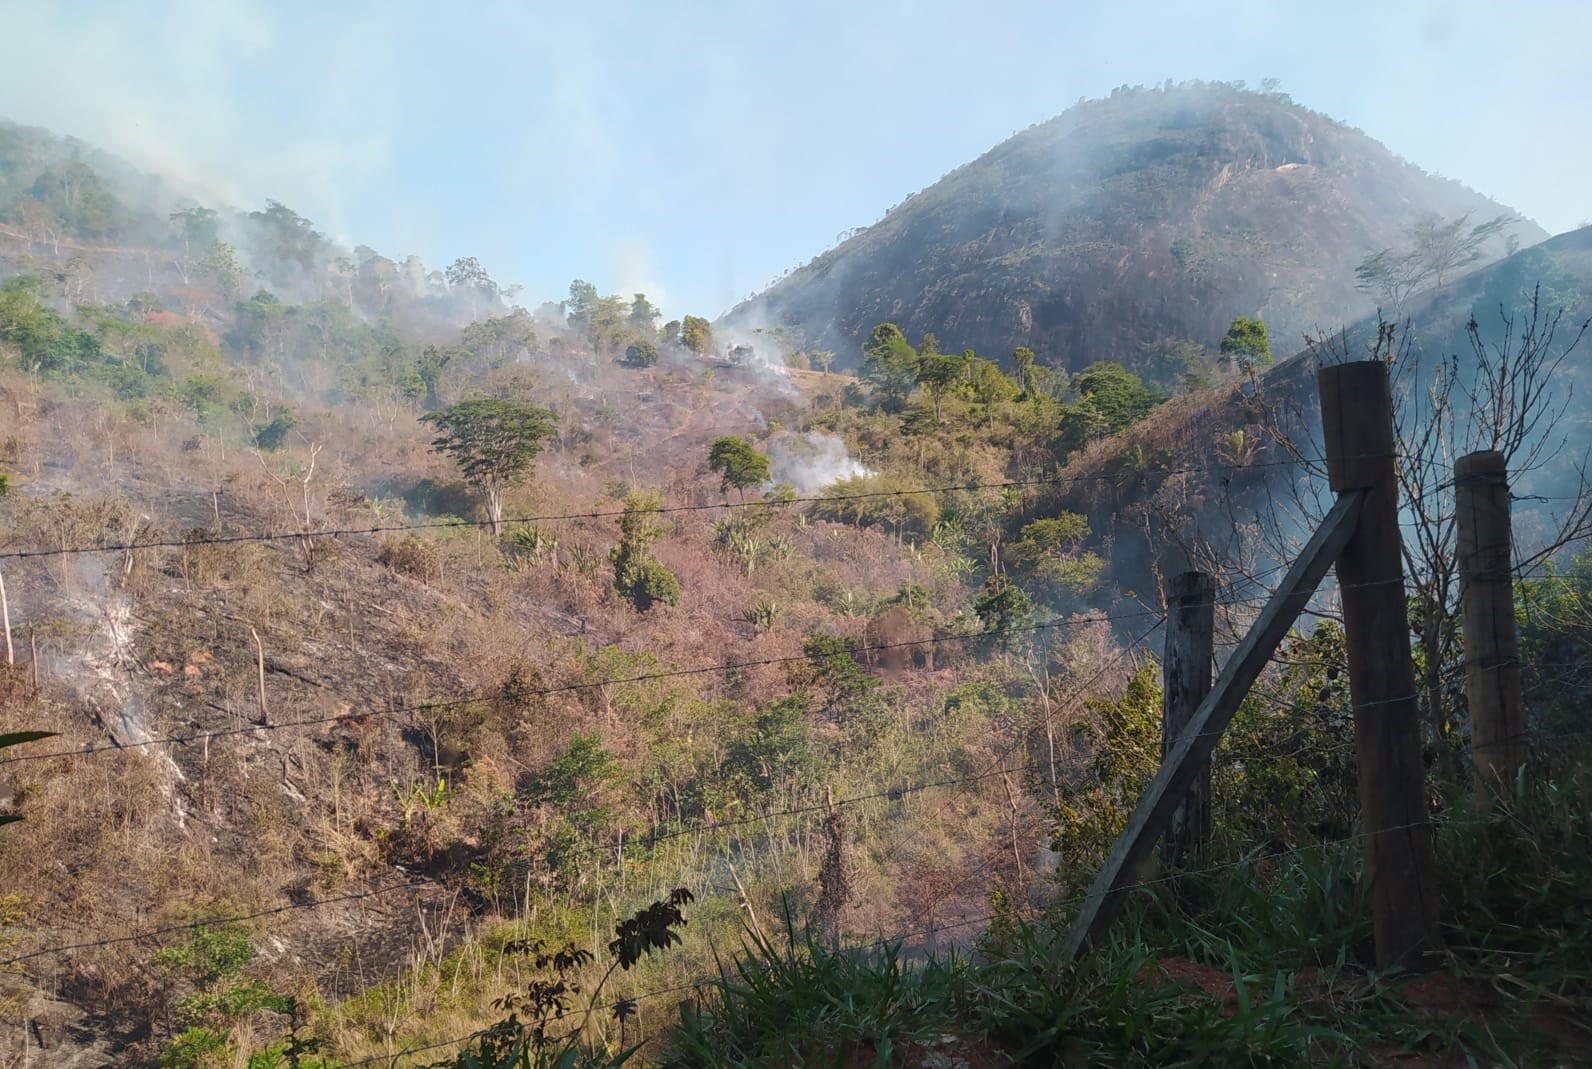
259	661
1186	679
1192	749
1487	612
5	620
1357	428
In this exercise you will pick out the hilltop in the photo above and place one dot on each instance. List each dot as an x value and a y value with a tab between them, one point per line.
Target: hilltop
1126	228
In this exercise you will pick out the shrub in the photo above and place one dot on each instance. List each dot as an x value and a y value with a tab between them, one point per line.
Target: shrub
880	501
412	556
271	436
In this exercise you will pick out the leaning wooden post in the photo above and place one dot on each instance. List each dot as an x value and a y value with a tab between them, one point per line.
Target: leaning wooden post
1186	679
1487	613
1192	749
1357	427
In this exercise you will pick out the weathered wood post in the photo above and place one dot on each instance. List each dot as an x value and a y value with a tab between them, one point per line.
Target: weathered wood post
1186	679
1192	750
1357	427
5	620
1487	614
259	662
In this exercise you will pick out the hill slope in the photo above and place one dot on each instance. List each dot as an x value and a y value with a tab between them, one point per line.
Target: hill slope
1211	509
1123	225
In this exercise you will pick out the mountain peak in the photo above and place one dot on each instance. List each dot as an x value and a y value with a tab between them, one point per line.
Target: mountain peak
1126	225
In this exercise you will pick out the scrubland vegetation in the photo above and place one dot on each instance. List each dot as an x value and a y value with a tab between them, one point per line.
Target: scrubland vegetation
438	681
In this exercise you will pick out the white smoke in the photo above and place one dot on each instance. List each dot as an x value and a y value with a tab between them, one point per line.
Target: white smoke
811	460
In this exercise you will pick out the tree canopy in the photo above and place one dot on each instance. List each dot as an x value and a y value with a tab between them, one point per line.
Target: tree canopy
696	334
889	365
738	464
1246	344
1109	397
494	443
641	353
939	373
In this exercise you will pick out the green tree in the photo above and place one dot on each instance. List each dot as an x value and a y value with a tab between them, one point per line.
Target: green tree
696	334
889	365
605	324
429	366
579	781
1050	553
1005	611
494	442
287	237
737	463
198	227
272	436
990	386
1023	372
1092	808
499	339
775	751
220	266
641	353
1109	398
43	341
260	326
582	296
637	575
1246	345
644	316
939	374
878	499
832	662
77	196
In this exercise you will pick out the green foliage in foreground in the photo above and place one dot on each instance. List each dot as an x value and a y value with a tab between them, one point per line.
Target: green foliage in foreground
1259	961
543	1024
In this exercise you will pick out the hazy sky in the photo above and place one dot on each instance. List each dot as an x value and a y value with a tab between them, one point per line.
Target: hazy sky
697	150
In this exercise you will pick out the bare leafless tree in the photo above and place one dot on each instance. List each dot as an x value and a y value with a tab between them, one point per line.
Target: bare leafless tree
1506	394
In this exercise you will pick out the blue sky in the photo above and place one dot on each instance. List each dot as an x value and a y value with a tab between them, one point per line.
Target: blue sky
695	151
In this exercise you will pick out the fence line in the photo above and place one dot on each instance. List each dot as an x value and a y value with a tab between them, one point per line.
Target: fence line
1057	907
597	514
566	688
453	701
894	793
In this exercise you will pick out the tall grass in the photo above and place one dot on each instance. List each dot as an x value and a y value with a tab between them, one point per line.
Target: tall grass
1266	960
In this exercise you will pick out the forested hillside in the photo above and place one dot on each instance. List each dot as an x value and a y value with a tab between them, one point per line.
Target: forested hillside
425	673
1133	229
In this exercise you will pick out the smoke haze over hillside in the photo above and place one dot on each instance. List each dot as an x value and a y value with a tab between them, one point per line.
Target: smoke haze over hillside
710	151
